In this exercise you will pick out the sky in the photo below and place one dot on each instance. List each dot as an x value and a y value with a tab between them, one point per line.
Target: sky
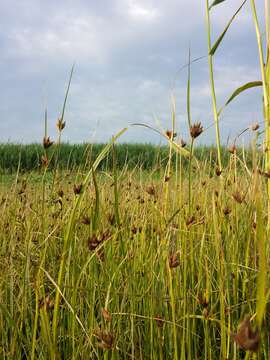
128	56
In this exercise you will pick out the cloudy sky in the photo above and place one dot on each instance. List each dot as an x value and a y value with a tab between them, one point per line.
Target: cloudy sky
127	56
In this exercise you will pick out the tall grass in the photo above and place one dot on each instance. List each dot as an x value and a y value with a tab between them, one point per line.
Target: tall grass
132	280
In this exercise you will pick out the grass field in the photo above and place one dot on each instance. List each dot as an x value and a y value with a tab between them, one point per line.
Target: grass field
127	265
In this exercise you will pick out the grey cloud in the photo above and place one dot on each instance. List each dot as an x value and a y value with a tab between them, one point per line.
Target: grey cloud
127	55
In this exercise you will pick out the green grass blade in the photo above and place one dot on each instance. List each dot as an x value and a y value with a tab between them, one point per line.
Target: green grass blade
220	38
177	147
67	92
241	89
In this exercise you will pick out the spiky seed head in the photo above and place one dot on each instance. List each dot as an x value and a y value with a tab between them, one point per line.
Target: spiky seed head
195	130
267	174
47	142
203	299
44	161
150	190
255	126
77	189
218	171
170	134
238	197
205	313
226	211
106	315
167	178
174	260
60	193
183	143
232	149
106	339
247	338
190	221
86	220
60	124
93	242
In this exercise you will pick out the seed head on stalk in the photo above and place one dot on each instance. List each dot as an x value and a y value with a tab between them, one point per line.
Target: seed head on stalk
195	130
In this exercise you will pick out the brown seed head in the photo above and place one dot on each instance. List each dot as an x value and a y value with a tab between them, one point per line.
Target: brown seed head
254	127
174	260
44	161
238	197
205	313
195	130
106	339
246	338
267	174
203	299
170	134
191	220
183	143
150	190
101	254
47	142
167	178
106	315
77	189
159	321
218	171
232	149
60	193
86	220
46	303
93	242
60	124
226	211
112	219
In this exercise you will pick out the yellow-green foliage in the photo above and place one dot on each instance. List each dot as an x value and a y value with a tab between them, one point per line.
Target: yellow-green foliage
153	276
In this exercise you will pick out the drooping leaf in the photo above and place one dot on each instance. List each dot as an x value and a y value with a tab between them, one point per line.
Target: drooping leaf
176	146
238	91
243	88
216	2
220	38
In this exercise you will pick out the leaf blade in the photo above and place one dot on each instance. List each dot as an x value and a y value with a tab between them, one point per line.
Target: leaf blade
220	38
242	88
239	90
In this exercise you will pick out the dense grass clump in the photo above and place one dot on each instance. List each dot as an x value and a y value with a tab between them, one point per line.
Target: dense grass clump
123	264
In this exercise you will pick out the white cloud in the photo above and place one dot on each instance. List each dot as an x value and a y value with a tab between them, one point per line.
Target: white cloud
139	11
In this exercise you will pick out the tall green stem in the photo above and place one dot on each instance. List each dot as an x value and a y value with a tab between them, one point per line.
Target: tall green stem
265	73
214	101
189	175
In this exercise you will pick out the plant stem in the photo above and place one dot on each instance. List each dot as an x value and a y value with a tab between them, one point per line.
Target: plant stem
265	73
214	101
